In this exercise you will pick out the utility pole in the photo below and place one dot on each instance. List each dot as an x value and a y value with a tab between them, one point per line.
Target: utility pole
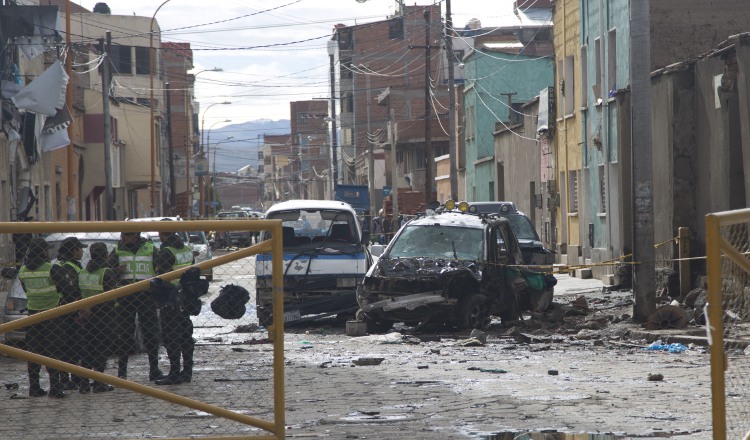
452	148
334	141
106	84
71	208
428	178
370	152
170	149
640	116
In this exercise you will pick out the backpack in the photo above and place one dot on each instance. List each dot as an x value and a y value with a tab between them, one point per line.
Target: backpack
193	287
230	304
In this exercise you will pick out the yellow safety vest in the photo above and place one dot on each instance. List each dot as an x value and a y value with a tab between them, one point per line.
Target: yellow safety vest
41	292
91	283
182	258
139	266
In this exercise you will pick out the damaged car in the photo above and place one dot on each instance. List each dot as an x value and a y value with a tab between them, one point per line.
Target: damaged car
452	267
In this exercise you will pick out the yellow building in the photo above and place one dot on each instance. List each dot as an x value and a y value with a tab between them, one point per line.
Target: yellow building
566	169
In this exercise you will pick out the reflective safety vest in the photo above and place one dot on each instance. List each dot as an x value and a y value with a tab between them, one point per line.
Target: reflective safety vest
182	258
139	266
73	265
41	293
91	283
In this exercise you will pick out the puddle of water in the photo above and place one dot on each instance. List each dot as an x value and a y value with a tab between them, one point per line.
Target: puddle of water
543	435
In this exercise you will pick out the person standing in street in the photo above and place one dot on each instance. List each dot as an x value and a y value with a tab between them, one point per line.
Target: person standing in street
97	341
176	323
387	228
46	338
69	257
377	227
133	256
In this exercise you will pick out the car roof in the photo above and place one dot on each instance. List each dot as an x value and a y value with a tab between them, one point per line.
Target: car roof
495	207
153	219
451	218
83	236
311	204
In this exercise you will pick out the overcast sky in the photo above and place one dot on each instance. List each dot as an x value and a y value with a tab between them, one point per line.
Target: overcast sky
293	66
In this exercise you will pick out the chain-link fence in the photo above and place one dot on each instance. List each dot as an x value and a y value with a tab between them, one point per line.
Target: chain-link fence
138	330
728	245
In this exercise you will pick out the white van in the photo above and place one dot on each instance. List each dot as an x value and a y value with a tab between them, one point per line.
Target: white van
325	258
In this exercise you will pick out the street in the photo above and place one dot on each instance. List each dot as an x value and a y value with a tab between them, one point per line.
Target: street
574	377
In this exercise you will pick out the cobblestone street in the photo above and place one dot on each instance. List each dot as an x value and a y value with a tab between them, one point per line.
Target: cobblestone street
431	386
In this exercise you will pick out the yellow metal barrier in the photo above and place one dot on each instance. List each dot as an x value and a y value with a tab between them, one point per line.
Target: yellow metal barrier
728	312
274	245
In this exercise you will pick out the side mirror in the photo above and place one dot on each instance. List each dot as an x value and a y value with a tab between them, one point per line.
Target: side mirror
377	250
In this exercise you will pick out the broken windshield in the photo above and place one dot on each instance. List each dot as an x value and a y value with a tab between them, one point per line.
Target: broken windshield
308	227
435	241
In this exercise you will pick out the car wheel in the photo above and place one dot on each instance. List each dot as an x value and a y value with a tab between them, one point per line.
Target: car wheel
473	312
375	326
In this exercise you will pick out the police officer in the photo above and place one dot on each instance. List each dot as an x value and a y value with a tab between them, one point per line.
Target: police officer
69	257
176	324
134	257
95	278
47	337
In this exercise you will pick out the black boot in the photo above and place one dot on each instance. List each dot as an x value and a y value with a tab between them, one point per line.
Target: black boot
187	365
154	373
56	385
173	378
35	390
122	367
84	387
102	387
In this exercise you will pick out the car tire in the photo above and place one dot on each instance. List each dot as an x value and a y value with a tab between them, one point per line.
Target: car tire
375	326
474	312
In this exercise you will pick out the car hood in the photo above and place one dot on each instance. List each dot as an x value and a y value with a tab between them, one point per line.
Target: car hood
406	276
425	267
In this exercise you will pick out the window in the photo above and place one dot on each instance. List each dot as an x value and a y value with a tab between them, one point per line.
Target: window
122	60
584	76
612	62
569	86
396	28
491	187
560	89
603	189
470	124
596	87
573	190
346	69
345	39
142	61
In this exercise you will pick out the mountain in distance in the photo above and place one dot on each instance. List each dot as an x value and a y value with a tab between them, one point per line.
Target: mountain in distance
242	149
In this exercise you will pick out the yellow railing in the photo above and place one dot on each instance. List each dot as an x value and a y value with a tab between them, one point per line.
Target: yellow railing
276	333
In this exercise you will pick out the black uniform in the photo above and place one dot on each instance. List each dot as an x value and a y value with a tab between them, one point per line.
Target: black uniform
48	337
98	336
177	327
138	306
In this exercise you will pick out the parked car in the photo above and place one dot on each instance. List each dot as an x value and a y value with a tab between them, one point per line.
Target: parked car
450	267
532	248
15	302
235	237
324	261
195	239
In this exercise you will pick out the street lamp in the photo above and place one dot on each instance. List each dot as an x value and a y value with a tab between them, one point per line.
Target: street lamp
151	105
207	209
204	153
188	147
211	193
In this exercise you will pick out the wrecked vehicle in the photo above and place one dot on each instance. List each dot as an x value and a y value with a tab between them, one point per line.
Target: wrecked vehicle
532	248
456	268
325	258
